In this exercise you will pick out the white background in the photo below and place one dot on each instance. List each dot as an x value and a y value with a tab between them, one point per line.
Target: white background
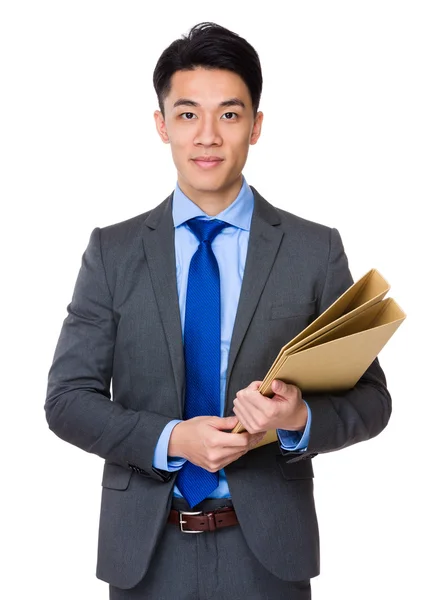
347	141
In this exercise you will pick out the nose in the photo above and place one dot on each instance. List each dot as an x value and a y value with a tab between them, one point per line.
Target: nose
208	133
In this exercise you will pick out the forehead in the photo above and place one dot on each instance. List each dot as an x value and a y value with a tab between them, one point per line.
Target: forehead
207	87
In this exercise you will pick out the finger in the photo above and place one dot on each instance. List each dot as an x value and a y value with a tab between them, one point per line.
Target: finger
229	454
223	423
256	439
257	401
255	419
244	416
255	385
240	440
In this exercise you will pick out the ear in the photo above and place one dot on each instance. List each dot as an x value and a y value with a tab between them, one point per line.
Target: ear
161	126
256	131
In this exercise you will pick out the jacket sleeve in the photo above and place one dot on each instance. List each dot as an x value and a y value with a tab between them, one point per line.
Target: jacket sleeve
342	419
78	406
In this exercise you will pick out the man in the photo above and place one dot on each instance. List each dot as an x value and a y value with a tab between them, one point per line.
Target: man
182	309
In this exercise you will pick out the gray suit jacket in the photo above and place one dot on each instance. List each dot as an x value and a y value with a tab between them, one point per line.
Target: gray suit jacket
123	328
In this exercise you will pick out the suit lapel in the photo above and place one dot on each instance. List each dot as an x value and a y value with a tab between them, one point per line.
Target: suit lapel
264	242
159	246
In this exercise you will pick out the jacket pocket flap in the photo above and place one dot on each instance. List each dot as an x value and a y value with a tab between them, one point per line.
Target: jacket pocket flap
301	469
116	477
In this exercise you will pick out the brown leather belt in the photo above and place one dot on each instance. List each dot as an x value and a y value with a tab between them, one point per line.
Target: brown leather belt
198	522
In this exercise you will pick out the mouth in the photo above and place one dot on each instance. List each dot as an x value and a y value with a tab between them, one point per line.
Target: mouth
207	162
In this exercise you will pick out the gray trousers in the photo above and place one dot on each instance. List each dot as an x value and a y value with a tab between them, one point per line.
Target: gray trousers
214	565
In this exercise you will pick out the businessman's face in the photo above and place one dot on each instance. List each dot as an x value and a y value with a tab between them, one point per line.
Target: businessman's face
208	115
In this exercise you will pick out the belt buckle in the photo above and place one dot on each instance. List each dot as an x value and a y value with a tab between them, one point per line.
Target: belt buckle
181	522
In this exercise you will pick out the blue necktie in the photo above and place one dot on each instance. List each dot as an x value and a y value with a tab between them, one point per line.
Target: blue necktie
201	350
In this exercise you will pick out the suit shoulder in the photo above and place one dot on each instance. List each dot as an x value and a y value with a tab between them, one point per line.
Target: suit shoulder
291	221
125	228
130	229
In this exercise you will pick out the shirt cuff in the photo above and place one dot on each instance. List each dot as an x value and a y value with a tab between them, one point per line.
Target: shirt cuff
296	440
161	459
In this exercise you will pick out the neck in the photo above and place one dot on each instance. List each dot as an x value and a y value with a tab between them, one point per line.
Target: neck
212	202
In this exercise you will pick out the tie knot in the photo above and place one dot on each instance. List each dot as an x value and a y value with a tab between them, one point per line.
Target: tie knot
206	230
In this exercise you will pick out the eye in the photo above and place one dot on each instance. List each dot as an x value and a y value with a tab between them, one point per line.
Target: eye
228	116
187	116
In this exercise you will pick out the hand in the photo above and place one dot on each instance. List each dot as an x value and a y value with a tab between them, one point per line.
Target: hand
204	442
285	410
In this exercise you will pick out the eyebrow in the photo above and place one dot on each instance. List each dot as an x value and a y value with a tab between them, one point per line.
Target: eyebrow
224	104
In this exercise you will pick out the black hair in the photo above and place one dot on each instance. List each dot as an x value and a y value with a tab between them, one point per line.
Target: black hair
210	46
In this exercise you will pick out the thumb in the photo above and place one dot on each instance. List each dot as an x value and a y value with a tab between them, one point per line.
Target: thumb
228	422
279	387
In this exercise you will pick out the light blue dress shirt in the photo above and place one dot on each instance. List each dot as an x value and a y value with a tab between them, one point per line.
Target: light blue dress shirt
230	249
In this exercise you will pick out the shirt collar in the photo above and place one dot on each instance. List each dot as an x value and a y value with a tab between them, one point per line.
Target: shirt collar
239	213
